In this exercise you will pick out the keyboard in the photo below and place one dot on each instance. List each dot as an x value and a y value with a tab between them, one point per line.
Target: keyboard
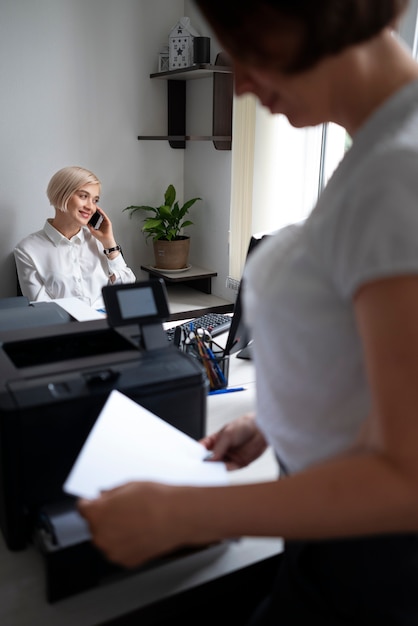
215	323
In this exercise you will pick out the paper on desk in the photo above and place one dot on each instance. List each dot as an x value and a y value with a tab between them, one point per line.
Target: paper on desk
78	309
128	442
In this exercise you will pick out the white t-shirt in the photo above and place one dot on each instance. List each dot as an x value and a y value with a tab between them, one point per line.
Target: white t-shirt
312	392
50	266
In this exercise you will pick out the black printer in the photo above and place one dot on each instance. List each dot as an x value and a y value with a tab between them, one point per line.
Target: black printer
54	382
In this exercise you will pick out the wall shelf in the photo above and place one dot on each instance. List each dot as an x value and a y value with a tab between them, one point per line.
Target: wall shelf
176	104
185	137
202	70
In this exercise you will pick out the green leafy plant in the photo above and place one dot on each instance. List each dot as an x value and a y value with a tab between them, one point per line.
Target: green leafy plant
167	220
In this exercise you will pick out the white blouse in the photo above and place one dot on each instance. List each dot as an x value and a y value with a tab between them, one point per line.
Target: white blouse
50	266
312	390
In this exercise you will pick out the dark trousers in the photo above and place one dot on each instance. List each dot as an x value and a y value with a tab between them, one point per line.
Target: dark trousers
356	582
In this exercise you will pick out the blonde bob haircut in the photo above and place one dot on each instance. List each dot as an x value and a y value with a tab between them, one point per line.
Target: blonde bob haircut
67	181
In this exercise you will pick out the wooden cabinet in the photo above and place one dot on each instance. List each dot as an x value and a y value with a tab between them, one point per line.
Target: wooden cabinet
190	292
198	277
222	77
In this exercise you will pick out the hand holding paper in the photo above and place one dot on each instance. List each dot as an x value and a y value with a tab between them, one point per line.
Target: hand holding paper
128	442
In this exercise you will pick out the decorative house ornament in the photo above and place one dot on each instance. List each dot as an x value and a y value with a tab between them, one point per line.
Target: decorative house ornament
180	43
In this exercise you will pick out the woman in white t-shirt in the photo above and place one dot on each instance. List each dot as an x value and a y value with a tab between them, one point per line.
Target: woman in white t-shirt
70	258
333	308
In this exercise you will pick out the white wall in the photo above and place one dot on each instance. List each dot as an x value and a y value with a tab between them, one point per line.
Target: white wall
76	90
207	173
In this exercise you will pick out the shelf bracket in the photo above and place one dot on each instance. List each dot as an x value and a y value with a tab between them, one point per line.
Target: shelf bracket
176	101
223	91
223	88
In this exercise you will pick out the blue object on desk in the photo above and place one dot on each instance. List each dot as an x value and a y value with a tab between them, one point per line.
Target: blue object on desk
216	392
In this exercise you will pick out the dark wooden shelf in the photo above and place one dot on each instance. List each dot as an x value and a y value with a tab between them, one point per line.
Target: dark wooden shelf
203	70
185	137
176	104
190	292
198	277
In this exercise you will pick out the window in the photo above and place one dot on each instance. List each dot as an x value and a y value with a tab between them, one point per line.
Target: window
278	173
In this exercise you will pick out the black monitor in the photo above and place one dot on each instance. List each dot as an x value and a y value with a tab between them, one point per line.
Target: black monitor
239	339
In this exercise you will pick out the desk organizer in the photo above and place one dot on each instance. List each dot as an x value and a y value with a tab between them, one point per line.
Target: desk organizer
213	359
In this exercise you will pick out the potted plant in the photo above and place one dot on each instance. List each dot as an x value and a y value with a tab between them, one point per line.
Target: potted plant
165	228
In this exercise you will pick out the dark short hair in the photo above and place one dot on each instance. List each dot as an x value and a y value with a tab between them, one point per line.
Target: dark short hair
326	27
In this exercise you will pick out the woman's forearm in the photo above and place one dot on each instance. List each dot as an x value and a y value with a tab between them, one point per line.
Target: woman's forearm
348	496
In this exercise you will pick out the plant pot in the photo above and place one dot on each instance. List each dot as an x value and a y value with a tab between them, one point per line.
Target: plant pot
171	255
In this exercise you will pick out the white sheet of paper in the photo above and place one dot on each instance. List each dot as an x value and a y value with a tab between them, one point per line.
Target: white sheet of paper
128	442
81	311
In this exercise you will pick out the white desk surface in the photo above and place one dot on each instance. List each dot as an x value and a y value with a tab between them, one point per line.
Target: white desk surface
22	593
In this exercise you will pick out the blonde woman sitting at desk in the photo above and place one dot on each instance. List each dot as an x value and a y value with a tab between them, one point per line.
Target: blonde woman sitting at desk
69	257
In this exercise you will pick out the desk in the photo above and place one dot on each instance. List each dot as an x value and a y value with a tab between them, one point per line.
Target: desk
22	596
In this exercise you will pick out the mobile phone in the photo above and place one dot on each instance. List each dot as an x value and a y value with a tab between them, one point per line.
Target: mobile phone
96	220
